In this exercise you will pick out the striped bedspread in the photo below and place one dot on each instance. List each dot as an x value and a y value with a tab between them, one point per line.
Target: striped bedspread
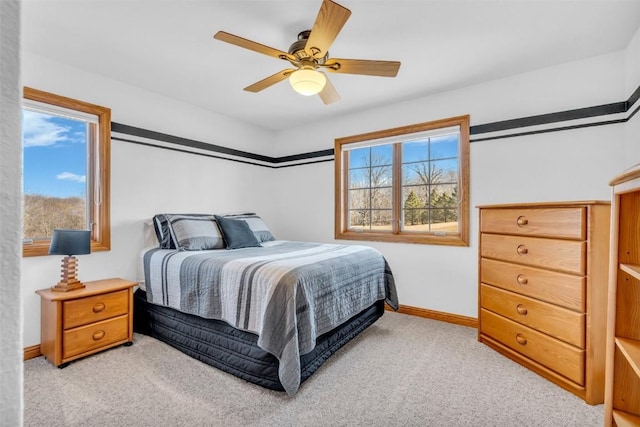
288	293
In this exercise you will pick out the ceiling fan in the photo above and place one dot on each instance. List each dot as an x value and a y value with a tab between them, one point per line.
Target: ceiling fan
310	53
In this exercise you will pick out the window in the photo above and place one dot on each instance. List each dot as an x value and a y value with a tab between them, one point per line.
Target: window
407	184
65	177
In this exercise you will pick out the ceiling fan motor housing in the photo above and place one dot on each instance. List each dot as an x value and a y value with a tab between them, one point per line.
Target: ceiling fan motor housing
297	48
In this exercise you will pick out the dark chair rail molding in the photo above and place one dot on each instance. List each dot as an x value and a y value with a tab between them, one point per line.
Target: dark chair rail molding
600	115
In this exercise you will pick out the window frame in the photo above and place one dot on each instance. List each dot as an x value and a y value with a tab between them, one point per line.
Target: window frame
99	216
396	235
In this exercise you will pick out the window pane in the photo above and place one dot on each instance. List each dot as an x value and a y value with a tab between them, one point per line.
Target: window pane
444	147
415	151
360	219
416	173
381	219
359	158
382	155
445	171
381	176
444	220
359	178
359	199
54	174
381	198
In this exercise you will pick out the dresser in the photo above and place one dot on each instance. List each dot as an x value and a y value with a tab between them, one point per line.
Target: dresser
543	270
622	401
78	323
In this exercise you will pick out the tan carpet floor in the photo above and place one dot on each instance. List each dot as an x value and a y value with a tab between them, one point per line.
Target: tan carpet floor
402	371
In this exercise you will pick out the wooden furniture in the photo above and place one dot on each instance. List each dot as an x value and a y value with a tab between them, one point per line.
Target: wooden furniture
622	402
543	272
78	323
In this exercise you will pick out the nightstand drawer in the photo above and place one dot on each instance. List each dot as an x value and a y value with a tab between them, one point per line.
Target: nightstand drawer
563	255
93	309
558	322
94	336
562	289
566	223
554	354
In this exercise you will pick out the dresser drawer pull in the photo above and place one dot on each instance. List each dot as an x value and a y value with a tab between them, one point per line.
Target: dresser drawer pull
521	340
98	335
521	309
522	250
522	221
99	307
521	279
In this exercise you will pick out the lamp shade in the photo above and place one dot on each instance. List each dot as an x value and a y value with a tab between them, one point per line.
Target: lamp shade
70	242
307	81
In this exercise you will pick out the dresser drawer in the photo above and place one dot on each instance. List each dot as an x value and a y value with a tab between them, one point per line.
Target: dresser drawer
558	322
562	289
94	336
566	223
563	255
554	354
93	309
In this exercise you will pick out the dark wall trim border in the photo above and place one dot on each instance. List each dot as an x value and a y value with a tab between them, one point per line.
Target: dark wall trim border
556	129
543	119
317	156
144	133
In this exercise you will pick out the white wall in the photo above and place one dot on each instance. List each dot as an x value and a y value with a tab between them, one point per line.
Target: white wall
566	165
11	403
145	180
632	79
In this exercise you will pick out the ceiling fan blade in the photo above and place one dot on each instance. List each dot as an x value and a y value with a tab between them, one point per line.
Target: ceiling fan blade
251	45
328	94
363	66
269	81
330	20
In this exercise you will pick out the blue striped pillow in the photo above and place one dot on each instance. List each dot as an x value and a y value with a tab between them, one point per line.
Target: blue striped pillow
193	232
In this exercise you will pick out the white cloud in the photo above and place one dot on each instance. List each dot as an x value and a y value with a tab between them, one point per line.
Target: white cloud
78	137
68	176
39	132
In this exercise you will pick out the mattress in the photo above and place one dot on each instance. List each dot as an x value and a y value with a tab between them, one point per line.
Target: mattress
235	351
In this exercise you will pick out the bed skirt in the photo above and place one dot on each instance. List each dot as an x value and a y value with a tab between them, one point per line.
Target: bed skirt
218	344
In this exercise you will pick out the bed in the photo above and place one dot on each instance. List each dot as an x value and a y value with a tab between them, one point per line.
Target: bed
268	311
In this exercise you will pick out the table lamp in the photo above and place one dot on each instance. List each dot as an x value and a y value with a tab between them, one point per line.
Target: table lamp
69	243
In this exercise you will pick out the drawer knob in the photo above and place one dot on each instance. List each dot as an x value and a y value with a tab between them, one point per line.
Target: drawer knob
98	335
521	309
522	250
99	307
522	280
521	340
522	221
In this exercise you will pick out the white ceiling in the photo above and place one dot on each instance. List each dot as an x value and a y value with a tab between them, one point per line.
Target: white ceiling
167	46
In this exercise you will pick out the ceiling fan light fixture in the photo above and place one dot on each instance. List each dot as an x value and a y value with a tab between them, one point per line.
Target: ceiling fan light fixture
307	82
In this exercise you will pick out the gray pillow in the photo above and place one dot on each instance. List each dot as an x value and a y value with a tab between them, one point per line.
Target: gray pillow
237	233
194	232
256	224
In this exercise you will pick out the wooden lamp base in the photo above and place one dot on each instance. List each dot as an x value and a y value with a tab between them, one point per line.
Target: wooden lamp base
69	281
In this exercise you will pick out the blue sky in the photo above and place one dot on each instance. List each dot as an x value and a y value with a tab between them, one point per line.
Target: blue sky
441	147
54	155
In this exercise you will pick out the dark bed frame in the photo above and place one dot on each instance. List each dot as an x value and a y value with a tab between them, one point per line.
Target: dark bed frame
218	344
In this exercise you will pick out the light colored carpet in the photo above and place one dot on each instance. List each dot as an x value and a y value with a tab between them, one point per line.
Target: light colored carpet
402	371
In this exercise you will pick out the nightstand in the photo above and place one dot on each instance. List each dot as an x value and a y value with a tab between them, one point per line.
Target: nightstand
78	323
